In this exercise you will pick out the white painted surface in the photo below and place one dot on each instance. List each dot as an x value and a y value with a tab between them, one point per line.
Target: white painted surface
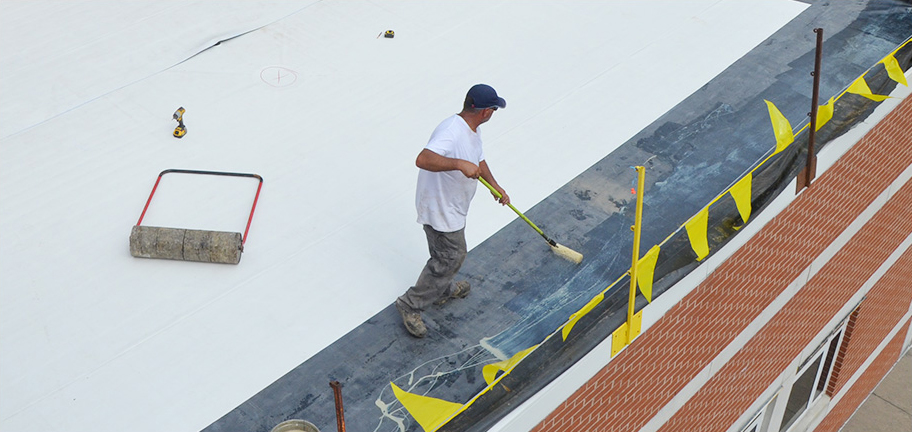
57	55
94	339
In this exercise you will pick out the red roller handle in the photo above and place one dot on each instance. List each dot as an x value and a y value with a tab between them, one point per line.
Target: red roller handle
219	173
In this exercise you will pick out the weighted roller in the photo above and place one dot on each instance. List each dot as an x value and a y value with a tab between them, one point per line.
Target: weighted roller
186	244
189	244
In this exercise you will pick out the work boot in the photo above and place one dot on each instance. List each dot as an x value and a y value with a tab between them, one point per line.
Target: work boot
412	319
460	291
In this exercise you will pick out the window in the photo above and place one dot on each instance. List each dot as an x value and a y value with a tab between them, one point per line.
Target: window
754	425
800	397
761	420
795	404
811	381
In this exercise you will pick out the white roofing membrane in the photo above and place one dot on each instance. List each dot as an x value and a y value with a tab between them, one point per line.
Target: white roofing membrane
332	116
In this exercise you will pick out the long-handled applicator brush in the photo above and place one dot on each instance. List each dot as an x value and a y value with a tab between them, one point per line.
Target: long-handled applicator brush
561	250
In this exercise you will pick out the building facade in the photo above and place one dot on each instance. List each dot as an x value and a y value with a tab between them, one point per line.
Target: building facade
795	328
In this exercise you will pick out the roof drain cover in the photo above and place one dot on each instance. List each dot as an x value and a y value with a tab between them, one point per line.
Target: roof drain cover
295	426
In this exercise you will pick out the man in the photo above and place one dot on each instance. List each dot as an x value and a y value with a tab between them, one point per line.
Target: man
449	165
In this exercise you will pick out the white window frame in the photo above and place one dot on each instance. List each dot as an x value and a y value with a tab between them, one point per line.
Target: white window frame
754	425
761	420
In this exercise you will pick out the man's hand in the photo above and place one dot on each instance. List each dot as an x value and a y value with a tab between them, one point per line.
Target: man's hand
504	198
469	169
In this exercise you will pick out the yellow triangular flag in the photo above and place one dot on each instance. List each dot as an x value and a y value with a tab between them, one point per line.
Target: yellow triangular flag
894	71
696	231
860	87
430	413
741	192
824	114
781	127
489	372
646	272
581	313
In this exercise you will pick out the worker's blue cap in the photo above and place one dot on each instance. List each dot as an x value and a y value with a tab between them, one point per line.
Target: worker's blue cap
484	96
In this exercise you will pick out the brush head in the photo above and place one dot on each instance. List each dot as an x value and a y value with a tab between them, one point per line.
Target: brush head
567	253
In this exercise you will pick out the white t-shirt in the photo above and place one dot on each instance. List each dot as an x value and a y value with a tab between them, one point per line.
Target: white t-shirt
442	198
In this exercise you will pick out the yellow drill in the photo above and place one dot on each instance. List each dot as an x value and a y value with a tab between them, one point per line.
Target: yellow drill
180	130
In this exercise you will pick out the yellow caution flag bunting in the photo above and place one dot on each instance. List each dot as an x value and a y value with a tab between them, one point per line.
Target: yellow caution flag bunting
430	413
781	127
860	87
489	372
581	313
894	71
696	231
646	271
741	192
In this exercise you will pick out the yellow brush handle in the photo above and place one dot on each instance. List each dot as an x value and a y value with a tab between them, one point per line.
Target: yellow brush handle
499	196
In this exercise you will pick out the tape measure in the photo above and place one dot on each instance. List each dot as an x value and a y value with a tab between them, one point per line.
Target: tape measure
389	34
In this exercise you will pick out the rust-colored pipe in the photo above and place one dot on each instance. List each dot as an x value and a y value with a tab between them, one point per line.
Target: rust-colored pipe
811	164
340	412
814	100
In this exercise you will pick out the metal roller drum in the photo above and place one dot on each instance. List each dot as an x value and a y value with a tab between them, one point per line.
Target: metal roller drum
186	244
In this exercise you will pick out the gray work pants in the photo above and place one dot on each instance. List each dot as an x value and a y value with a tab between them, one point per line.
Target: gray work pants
448	251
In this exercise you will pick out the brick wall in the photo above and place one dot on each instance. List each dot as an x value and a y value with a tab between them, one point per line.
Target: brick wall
742	380
635	385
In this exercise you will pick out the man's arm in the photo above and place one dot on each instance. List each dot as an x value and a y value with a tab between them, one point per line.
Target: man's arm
428	160
486	174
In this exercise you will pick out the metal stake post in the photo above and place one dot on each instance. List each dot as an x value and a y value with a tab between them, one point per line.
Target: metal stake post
340	411
810	169
641	181
627	332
